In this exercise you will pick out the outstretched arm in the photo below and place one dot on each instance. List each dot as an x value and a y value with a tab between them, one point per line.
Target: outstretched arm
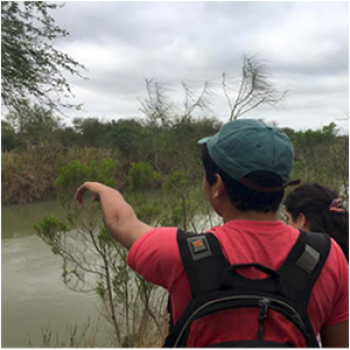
119	216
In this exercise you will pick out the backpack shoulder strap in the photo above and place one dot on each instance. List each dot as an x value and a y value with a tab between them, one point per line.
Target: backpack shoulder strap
203	260
303	266
300	272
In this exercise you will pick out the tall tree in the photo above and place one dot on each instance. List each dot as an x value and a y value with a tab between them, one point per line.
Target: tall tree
31	67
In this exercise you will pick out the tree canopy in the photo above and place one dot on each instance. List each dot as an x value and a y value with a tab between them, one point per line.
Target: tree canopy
31	67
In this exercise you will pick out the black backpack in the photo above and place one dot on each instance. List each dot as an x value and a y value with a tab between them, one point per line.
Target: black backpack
217	288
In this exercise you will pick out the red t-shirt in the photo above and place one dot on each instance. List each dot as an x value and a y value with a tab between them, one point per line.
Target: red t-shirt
156	256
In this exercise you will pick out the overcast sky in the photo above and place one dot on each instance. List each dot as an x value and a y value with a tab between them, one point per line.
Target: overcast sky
122	43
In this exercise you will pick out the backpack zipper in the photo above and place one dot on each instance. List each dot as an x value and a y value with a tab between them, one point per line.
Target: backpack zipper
264	303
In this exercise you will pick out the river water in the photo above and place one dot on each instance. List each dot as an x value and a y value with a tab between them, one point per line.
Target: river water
34	298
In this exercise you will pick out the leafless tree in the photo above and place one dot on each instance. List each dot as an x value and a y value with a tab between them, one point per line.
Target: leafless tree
193	101
255	88
159	106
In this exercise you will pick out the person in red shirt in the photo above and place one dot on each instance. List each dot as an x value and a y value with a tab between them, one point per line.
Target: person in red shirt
247	166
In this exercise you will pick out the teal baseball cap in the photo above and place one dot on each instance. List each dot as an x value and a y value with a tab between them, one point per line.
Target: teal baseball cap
244	146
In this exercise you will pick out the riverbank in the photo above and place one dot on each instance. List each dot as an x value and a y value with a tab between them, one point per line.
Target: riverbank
28	176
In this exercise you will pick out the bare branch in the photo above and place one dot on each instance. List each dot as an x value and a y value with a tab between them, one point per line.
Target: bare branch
255	89
157	106
192	102
225	87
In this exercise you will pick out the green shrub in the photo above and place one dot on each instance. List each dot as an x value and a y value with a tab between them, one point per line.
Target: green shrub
75	173
49	229
178	179
142	176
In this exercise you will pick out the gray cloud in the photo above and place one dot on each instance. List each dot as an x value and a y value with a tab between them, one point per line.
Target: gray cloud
121	43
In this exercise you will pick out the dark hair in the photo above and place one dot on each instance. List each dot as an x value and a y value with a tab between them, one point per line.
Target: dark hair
313	200
242	197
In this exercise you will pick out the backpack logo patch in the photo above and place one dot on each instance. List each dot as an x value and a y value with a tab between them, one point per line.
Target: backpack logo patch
199	247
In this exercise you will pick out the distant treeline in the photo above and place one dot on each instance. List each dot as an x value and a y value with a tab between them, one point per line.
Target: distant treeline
35	149
36	145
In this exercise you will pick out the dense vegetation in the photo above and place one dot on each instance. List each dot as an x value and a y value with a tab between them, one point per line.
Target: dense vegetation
37	146
147	154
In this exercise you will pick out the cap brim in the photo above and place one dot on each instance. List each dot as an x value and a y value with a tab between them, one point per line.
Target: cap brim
205	140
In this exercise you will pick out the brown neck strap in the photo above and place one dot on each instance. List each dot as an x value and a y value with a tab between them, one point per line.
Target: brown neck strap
244	181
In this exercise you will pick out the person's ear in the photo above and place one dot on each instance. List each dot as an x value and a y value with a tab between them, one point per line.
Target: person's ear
304	224
219	187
